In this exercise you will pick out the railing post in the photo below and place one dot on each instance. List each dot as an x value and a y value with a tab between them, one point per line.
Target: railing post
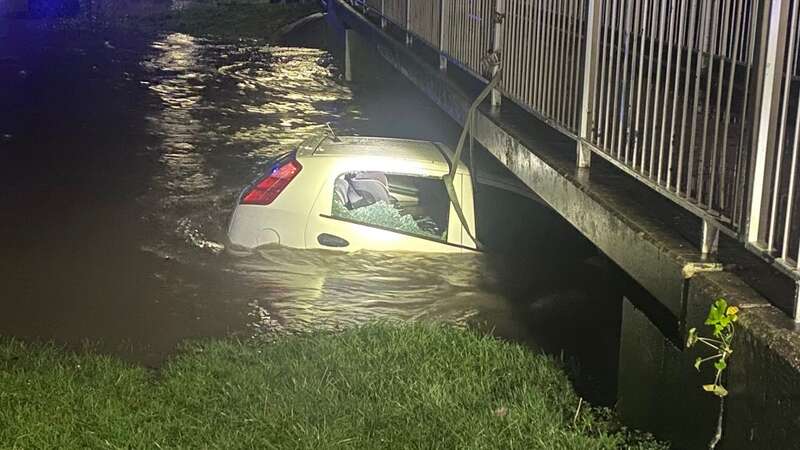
796	306
442	34
589	82
383	13
772	72
409	37
710	238
497	47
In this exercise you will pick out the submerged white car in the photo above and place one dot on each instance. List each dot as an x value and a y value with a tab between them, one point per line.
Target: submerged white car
353	193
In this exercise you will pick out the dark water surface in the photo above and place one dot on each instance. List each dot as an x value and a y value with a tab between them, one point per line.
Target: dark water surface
121	156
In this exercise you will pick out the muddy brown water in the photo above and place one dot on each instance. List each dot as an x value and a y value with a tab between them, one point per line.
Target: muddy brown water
121	156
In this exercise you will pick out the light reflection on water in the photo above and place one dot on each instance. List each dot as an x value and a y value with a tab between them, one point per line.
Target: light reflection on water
253	103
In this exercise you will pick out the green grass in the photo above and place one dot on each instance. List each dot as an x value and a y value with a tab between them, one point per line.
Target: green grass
416	386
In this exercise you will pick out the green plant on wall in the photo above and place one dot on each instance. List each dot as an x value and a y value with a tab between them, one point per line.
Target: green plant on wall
721	319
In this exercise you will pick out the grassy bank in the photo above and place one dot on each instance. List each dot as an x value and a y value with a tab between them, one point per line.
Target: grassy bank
378	386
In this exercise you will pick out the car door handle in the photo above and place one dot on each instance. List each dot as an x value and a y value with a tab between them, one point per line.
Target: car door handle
329	240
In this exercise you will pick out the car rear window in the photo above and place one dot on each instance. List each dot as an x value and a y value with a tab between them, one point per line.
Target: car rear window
408	204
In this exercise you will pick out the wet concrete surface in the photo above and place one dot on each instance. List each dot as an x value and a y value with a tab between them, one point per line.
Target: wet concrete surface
120	160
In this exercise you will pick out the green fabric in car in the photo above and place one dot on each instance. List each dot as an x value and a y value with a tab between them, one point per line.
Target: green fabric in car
381	214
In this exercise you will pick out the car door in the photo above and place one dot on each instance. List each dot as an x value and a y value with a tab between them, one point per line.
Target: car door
462	233
419	218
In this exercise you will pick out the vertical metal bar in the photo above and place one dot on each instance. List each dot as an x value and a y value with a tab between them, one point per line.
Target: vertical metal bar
608	113
511	53
671	34
409	36
662	16
598	118
575	112
733	51
790	197
551	60
711	48
784	105
575	55
742	159
497	47
529	49
640	78
739	18
690	46
625	103
563	71
593	22
630	117
793	165
770	100
710	238
615	120
467	34
646	125
522	35
726	10
534	49
554	60
559	68
539	56
701	48
676	90
383	13
443	34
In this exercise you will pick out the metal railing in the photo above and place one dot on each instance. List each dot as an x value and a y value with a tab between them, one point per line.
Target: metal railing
671	98
396	11
774	226
542	54
467	30
698	99
424	20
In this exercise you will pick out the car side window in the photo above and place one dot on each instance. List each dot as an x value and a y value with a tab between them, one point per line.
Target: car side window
408	204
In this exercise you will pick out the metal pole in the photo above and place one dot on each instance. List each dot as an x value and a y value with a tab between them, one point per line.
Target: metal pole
442	35
770	102
383	13
710	240
409	37
497	47
796	316
589	85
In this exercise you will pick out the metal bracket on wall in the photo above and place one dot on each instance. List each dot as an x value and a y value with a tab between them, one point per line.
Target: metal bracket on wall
691	269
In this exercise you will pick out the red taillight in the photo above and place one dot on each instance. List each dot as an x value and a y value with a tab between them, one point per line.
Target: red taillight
268	189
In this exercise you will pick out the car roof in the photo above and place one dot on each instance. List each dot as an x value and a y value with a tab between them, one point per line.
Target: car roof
381	147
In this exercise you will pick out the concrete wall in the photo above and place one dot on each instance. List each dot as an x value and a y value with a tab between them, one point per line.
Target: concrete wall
659	390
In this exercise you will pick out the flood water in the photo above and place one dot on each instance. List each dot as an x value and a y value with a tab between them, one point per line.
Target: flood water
121	157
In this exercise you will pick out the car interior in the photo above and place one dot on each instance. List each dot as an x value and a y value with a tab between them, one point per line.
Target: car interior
424	199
